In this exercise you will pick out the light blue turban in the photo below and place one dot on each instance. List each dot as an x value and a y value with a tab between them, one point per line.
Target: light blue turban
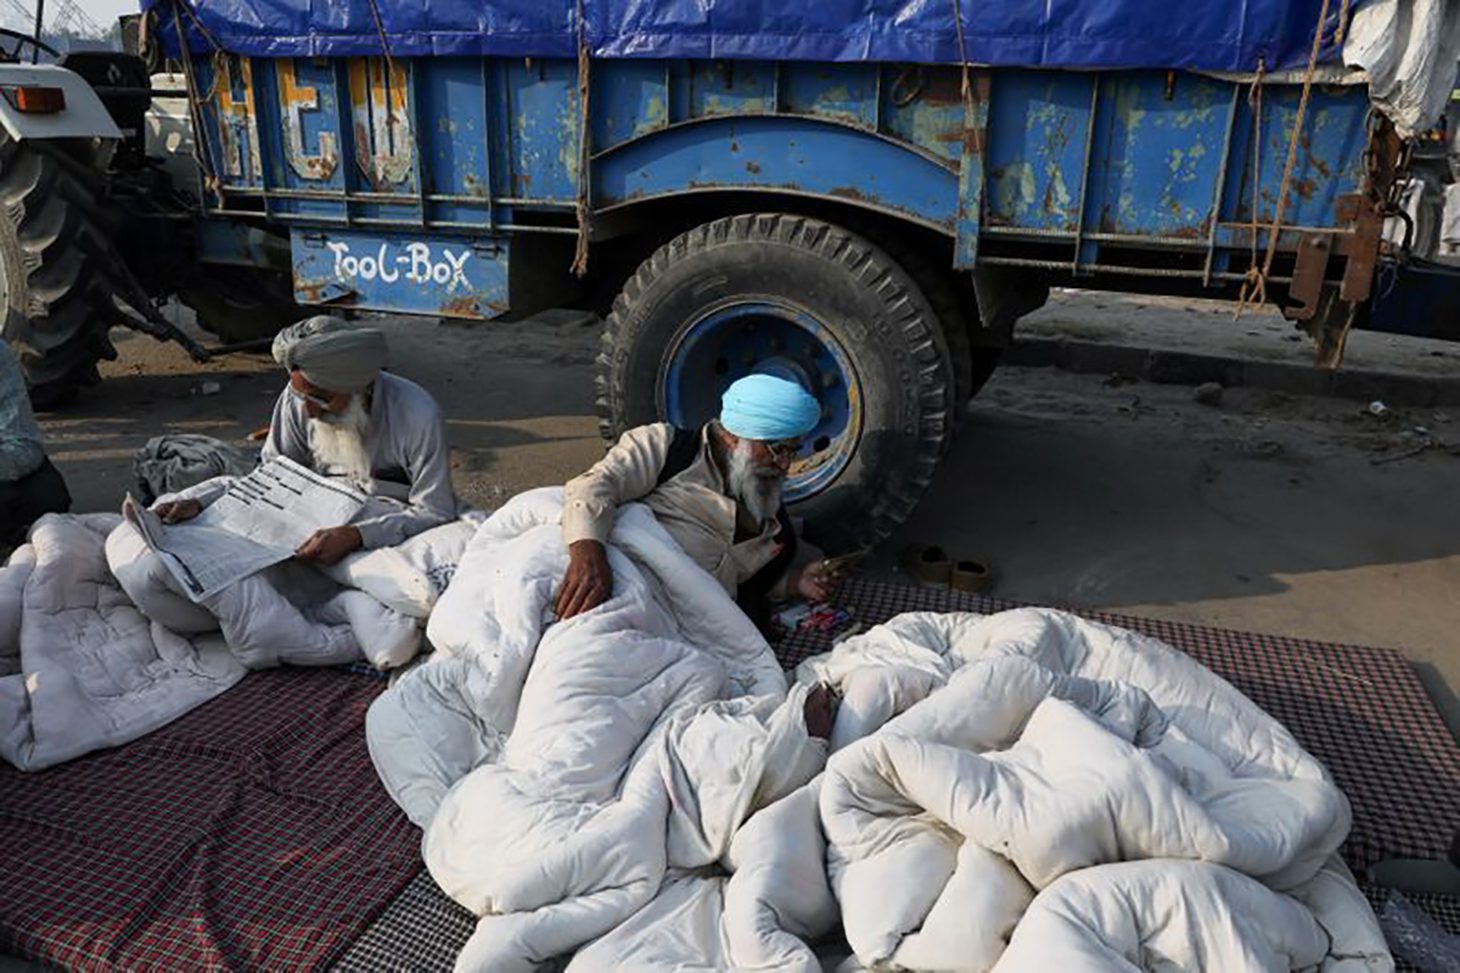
767	408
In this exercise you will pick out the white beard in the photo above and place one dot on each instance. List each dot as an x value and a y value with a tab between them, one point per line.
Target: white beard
338	444
756	488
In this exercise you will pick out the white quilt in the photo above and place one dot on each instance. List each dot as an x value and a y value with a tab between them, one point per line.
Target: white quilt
567	774
1020	792
96	649
80	666
1029	791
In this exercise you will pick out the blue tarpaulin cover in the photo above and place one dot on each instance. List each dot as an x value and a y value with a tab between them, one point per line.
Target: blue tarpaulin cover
1207	35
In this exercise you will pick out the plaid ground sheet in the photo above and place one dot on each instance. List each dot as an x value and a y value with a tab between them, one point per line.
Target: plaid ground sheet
252	833
421	930
1360	710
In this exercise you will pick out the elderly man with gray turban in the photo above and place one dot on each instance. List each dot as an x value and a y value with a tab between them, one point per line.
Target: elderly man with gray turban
716	490
342	416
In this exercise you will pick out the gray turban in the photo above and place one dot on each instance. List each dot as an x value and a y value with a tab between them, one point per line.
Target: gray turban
332	353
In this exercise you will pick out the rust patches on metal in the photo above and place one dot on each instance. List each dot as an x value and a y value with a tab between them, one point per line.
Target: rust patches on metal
474	186
384	146
464	306
1309	271
313	292
236	117
295	99
852	193
1368	231
942	88
1049	203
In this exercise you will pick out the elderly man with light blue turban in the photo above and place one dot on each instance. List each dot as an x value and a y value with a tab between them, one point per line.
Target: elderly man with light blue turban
716	490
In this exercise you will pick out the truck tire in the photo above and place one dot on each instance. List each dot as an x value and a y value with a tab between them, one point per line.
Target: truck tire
238	304
55	271
800	298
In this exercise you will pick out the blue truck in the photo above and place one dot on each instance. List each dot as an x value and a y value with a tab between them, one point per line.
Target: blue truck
864	197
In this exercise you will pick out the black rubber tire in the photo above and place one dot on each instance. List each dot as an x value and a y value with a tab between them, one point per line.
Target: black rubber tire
239	304
57	264
861	295
953	329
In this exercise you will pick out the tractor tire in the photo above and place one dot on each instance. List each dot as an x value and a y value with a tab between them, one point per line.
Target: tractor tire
56	270
794	296
240	305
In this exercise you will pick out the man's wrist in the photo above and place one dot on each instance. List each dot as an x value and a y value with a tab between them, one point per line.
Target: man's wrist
359	539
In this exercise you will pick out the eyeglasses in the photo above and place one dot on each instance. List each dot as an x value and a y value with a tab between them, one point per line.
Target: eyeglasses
786	449
314	400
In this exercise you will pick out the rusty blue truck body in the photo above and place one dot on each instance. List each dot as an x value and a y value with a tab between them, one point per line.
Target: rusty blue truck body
406	185
476	186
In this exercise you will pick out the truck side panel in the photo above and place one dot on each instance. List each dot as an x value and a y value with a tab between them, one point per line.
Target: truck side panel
1142	173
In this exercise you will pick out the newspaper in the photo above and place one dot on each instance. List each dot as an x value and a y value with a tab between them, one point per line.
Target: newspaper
259	521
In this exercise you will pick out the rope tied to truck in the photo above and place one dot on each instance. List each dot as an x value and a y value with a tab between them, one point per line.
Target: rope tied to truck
966	85
1254	284
580	201
386	83
1254	276
211	182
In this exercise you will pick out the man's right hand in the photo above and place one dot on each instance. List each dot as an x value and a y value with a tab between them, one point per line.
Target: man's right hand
177	511
589	581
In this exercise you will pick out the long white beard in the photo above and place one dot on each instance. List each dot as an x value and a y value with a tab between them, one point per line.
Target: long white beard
756	488
338	444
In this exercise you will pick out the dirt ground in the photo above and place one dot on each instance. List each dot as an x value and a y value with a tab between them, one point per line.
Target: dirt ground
1274	513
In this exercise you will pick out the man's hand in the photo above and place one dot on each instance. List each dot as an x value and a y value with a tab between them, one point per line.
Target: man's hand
820	712
589	581
814	582
329	545
177	511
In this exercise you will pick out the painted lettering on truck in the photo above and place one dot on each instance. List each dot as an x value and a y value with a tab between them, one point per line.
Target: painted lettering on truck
415	263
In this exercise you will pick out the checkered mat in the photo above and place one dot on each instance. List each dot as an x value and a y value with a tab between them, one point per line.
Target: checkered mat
1360	710
252	833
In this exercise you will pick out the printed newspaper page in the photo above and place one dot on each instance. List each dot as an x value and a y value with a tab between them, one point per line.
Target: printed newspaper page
261	520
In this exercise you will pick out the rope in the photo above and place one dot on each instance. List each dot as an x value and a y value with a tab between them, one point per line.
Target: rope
580	204
360	161
1253	277
967	84
1338	32
211	182
1255	285
385	49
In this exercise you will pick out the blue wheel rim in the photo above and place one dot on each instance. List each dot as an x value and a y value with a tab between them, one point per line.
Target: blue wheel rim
765	336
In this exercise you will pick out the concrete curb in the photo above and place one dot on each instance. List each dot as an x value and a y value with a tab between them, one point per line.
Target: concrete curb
1167	367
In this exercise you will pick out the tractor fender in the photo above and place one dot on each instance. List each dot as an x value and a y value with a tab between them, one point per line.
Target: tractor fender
83	117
